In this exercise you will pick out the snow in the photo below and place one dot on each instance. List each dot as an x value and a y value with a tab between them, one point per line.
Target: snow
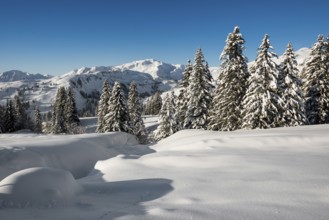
75	153
53	186
17	75
277	173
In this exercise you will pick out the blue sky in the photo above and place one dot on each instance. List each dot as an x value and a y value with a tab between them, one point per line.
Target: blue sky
56	36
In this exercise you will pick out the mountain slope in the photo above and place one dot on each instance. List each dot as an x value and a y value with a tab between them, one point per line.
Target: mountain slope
17	75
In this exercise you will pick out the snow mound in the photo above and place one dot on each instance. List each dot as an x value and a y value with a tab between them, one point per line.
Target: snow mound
75	153
38	186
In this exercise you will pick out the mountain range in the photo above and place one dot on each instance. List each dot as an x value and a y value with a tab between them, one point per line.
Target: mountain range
150	75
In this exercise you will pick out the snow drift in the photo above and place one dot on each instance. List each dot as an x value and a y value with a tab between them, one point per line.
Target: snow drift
40	186
256	174
74	153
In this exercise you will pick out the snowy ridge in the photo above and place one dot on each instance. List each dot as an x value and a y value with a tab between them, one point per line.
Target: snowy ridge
17	75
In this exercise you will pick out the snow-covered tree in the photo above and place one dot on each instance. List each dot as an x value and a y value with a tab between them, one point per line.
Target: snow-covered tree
2	118
9	118
182	99
262	104
37	121
20	114
153	104
58	115
103	106
156	103
291	93
135	113
117	118
225	113
168	125
198	94
316	85
71	112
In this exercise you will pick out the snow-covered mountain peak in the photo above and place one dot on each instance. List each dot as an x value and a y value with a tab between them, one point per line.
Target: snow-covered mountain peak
157	69
17	75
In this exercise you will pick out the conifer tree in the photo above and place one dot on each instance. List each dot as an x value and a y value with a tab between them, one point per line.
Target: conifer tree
182	99
225	113
263	106
58	116
20	114
199	94
167	120
156	103
71	112
37	121
134	109
316	85
117	118
103	106
293	98
10	119
2	118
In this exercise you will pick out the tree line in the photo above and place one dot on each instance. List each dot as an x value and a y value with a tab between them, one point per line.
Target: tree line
264	95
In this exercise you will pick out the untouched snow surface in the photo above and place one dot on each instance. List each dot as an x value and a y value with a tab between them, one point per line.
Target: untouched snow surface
259	174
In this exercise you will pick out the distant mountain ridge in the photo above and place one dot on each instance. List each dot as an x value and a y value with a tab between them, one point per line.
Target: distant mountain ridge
17	75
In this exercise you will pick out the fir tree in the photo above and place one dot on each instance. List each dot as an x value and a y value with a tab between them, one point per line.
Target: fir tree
20	114
316	85
71	112
167	120
156	103
58	116
37	121
263	106
10	119
293	98
2	118
225	114
182	99
199	94
134	109
117	118
103	106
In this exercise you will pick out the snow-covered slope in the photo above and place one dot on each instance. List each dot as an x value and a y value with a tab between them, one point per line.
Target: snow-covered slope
246	174
150	75
17	75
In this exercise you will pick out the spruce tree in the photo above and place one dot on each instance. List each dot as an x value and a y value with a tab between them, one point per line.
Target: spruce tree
167	120
20	114
103	106
199	94
292	95
9	118
2	118
182	99
134	109
225	113
156	103
117	118
58	115
263	107
71	112
316	85
37	121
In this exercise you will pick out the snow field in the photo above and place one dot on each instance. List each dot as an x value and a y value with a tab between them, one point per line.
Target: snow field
277	173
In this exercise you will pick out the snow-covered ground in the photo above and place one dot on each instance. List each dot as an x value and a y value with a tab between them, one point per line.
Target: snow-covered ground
259	174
